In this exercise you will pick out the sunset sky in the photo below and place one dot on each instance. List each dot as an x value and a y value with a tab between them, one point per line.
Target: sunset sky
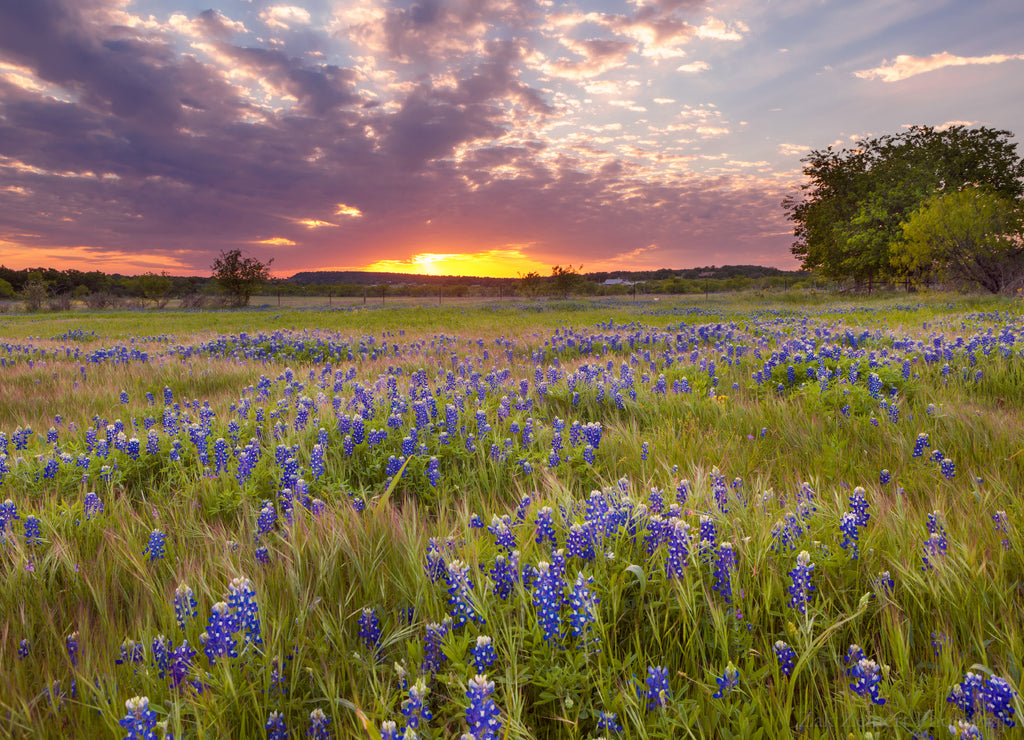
482	137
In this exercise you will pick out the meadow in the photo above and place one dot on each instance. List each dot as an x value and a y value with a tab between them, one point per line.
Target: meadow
757	516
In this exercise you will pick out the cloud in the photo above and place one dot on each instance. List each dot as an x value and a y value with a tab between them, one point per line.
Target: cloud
191	137
713	28
693	67
906	66
285	16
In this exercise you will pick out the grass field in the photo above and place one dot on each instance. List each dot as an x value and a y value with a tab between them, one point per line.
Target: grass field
753	516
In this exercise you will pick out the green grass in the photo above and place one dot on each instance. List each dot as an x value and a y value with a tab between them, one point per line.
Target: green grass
364	543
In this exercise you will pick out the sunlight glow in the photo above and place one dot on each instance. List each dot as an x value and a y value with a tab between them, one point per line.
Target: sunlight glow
492	263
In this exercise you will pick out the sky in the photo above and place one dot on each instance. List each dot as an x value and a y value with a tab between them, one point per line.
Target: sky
479	137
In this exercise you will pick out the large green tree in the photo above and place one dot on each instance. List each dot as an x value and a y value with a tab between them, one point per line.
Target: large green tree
852	207
972	235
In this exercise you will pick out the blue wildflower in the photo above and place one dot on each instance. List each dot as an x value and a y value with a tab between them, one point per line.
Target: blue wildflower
545	528
583	604
184	604
218	640
867	674
786	656
155	548
655	688
724	564
460	601
547	600
245	613
71	643
414	709
369	628
678	538
801	577
482	714
730	680
319	725
608	721
140	721
276	728
483	653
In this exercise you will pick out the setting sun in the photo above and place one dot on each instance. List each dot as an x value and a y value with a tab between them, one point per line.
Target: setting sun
492	263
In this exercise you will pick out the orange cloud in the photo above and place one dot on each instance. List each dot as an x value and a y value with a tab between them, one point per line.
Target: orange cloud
906	66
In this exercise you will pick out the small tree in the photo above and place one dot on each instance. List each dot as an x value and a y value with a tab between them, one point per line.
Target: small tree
34	292
156	288
530	283
240	276
565	278
973	234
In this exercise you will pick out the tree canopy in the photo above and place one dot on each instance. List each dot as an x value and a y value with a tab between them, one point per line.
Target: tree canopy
854	204
240	276
973	234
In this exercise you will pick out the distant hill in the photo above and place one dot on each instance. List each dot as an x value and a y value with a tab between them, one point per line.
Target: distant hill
356	277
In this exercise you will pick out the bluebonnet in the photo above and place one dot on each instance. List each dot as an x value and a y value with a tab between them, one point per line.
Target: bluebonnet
993	696
719	490
319	725
608	721
1001	524
483	653
23	649
964	730
708	535
786	532
8	513
920	444
433	647
414	709
801	582
683	491
503	574
389	731
583	604
276	728
501	528
71	643
131	653
545	528
160	650
859	506
369	628
184	604
547	600
936	544
140	720
948	468
267	518
32	536
678	538
245	613
179	665
655	688
460	601
578	543
729	680
433	472
262	555
724	564
155	548
482	714
316	461
786	657
218	639
848	526
866	674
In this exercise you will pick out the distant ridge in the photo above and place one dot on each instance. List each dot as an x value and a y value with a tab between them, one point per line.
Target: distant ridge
357	277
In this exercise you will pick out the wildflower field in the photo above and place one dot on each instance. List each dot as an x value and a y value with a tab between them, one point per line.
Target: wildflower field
725	518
